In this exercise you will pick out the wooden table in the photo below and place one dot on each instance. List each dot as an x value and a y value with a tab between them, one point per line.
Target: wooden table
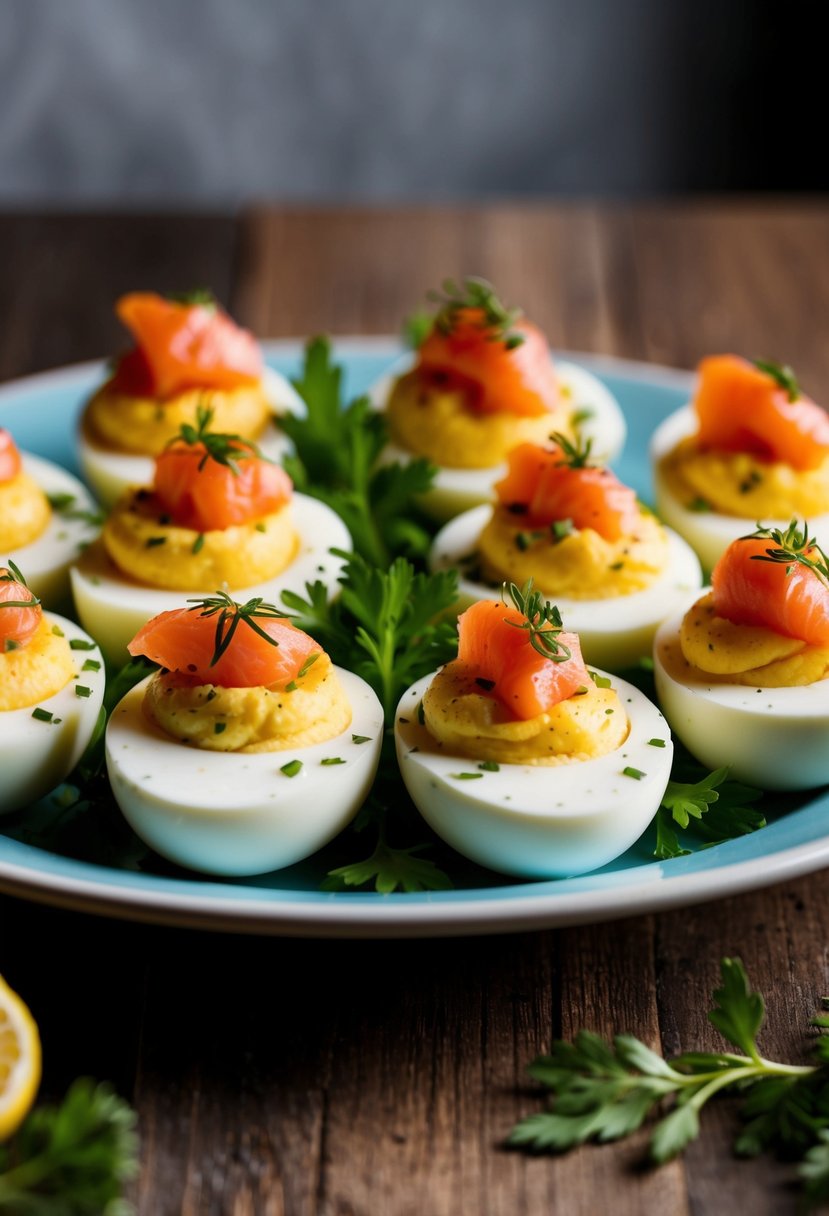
369	1078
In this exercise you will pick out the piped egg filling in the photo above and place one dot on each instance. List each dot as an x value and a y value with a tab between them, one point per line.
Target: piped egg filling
145	425
24	512
146	547
462	718
432	415
255	719
33	672
576	564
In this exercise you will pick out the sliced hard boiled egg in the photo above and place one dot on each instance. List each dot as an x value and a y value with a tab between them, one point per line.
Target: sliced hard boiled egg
709	532
42	742
532	820
236	813
114	607
776	738
454	490
110	472
615	632
73	523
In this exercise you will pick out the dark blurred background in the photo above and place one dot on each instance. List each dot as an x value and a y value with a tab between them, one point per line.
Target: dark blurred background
218	102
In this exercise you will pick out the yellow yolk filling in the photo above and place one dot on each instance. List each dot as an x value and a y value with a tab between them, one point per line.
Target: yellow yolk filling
734	483
581	566
181	559
747	654
144	425
437	423
24	512
465	722
31	673
250	719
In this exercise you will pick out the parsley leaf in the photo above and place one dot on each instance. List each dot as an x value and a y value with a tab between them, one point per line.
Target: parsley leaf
713	809
389	868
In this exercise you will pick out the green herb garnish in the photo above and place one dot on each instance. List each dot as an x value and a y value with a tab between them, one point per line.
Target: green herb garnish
635	773
791	547
230	615
291	768
361	739
13	575
219	728
82	691
198	544
91	665
42	715
153	542
224	449
542	621
196	295
576	455
476	293
333	760
490	766
82	644
782	374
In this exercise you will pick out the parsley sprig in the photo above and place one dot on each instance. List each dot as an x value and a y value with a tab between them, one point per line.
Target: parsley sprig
335	459
791	548
712	809
73	1158
542	621
604	1091
782	374
224	448
230	615
477	293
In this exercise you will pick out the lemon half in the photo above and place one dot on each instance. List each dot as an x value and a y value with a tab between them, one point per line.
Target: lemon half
19	1061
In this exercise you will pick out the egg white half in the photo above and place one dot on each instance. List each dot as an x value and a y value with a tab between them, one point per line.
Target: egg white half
775	738
232	813
456	490
113	607
36	756
538	821
110	473
614	632
45	561
708	532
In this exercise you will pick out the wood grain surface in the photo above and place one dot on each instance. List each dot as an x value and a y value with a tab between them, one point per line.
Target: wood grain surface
380	1078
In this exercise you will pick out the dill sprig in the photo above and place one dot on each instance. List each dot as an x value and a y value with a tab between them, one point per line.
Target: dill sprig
542	621
782	374
576	454
223	448
196	295
231	614
13	574
498	320
792	548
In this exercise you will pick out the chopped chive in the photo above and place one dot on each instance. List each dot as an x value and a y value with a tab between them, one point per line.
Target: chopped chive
465	776
291	686
616	566
490	766
42	715
82	644
152	541
60	502
561	528
198	543
699	505
82	691
91	665
636	773
579	416
580	691
57	631
260	527
10	644
308	664
360	738
656	742
598	680
608	711
646	662
291	768
333	760
522	541
219	728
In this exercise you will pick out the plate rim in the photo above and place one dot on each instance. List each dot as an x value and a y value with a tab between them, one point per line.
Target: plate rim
424	914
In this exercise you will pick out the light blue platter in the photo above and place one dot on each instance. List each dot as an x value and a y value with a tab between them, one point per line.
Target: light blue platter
92	862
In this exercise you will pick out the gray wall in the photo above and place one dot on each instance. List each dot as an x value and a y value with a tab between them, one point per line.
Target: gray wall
219	101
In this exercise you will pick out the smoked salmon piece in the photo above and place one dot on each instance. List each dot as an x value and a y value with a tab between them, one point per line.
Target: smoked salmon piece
742	408
10	463
204	494
495	646
184	640
541	488
182	346
749	591
520	380
18	623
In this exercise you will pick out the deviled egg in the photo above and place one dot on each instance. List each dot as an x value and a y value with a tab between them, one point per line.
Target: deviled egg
188	353
217	514
482	381
750	446
51	692
521	758
248	750
46	518
743	674
572	527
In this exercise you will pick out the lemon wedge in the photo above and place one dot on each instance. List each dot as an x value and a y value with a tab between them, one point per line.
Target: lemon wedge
19	1061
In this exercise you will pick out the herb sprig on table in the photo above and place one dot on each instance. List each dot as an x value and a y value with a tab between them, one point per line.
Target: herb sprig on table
73	1159
603	1091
